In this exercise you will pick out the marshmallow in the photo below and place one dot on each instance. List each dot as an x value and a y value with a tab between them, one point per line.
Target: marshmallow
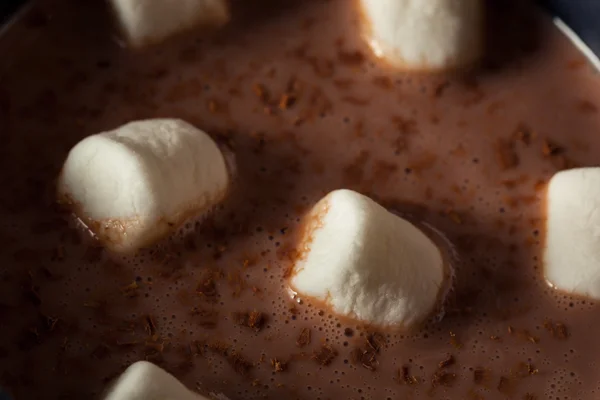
425	35
145	381
151	21
572	252
367	263
140	182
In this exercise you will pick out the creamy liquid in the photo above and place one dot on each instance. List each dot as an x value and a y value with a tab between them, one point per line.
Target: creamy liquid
468	156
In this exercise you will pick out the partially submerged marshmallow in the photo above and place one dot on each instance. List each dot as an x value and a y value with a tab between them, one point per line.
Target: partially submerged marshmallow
145	381
572	252
147	22
367	263
138	183
423	35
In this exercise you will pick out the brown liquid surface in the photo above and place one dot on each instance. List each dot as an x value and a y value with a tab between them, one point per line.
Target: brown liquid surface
464	155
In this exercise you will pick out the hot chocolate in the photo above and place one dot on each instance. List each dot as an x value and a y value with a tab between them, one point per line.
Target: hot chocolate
307	109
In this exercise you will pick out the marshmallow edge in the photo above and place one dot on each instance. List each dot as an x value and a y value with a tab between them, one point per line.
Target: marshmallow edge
145	23
145	381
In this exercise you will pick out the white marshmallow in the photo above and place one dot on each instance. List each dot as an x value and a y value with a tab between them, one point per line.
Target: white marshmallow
425	35
145	381
138	183
572	253
367	263
151	21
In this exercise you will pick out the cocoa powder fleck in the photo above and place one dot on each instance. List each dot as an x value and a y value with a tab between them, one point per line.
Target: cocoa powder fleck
550	148
558	330
448	361
404	376
278	365
251	319
443	378
303	338
325	355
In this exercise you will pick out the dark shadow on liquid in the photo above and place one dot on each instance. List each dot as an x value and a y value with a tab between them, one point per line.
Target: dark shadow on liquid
512	32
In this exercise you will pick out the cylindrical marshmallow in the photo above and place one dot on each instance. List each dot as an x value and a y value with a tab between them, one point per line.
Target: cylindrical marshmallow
136	184
367	263
572	251
425	35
